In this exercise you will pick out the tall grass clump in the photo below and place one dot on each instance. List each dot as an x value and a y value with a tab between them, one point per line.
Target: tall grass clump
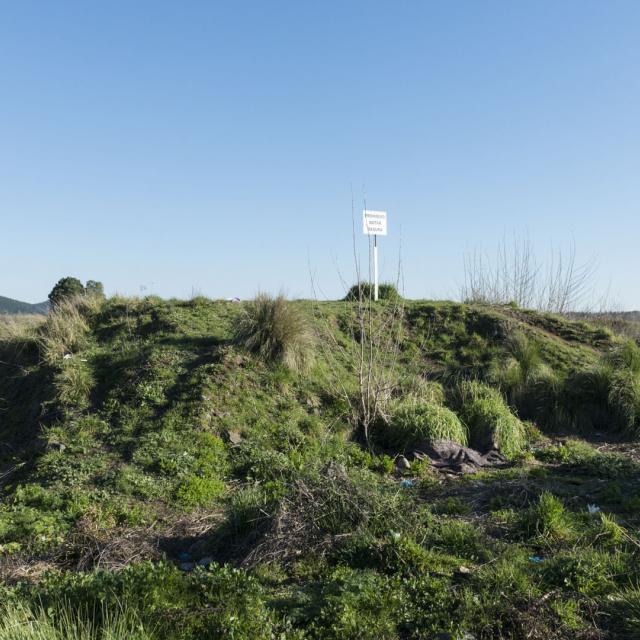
607	395
523	376
548	520
276	331
73	384
419	390
66	328
526	356
413	424
489	419
542	400
624	356
624	401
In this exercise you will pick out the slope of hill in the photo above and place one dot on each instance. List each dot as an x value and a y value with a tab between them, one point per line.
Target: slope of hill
151	463
8	305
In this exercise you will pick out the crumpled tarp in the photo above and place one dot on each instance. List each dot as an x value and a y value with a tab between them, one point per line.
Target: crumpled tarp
453	457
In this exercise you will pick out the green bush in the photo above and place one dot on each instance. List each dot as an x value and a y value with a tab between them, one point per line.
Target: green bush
64	289
68	288
412	424
585	397
94	288
276	331
489	419
364	291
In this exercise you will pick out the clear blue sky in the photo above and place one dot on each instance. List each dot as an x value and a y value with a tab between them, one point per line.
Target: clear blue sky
213	145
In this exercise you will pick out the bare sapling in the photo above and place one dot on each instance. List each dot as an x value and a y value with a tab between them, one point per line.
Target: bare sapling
370	357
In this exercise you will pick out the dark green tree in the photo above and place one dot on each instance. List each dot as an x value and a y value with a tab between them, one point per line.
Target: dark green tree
65	288
94	288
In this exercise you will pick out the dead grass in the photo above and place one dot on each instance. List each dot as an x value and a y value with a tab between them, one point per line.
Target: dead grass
66	328
19	327
276	331
91	547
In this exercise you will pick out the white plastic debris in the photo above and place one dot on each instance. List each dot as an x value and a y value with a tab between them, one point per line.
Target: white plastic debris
67	356
593	508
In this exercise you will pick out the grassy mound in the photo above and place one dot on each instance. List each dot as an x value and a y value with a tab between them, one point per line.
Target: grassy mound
413	424
163	459
489	419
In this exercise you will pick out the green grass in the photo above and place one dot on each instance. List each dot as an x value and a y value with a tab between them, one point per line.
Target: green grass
22	622
413	424
547	521
165	435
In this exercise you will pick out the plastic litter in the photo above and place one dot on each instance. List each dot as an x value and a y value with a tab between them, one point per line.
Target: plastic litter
536	559
406	483
593	508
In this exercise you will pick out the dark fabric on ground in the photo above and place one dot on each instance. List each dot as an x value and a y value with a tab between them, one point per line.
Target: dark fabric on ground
452	457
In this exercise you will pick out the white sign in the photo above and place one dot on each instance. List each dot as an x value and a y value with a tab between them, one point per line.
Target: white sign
374	223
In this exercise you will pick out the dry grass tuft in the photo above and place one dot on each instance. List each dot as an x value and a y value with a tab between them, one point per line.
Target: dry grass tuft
66	328
276	331
91	547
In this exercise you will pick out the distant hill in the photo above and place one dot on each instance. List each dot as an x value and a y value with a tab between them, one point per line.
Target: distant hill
9	305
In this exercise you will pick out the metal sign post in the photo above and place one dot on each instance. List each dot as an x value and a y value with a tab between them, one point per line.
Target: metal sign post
374	223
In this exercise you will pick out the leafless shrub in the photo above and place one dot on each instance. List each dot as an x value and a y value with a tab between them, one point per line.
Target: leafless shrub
321	513
516	275
371	357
